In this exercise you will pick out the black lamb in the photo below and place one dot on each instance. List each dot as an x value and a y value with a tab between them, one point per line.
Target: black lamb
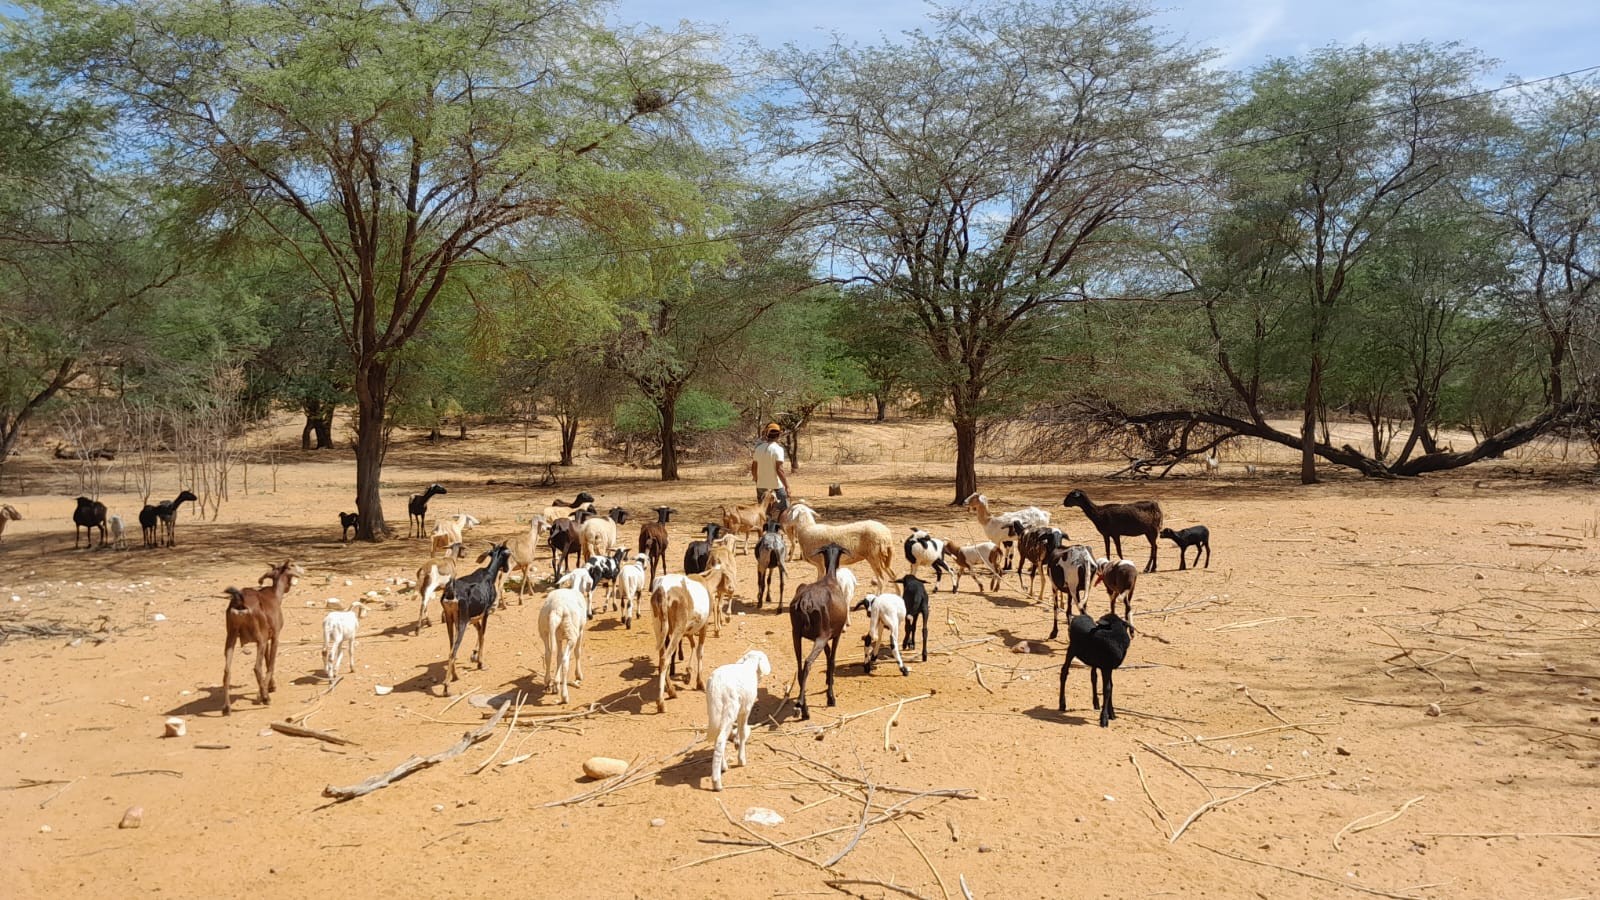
348	522
915	592
1196	536
1101	646
696	555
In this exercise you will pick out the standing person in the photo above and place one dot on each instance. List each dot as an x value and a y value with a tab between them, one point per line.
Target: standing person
766	467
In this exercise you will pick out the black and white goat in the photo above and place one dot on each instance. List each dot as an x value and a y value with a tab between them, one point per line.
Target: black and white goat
471	598
770	552
923	549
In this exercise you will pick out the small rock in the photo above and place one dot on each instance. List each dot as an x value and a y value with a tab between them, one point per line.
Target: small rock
1478	576
348	582
905	756
1434	710
1363	609
333	603
438	807
158	617
657	822
760	815
985	848
1340	749
604	767
176	727
1110	799
382	690
133	818
45	829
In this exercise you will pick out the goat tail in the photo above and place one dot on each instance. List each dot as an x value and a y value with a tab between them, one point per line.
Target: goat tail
235	598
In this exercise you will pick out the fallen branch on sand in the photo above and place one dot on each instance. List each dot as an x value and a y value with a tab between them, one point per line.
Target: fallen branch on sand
1304	874
1359	825
1210	805
297	731
416	763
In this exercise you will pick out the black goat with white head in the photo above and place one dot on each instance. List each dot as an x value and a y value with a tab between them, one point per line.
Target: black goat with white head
471	598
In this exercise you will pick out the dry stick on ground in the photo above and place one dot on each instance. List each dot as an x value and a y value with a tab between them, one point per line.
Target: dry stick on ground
1555	731
1274	713
843	720
1410	654
890	724
35	782
1201	739
1304	874
861	829
888	815
501	746
173	772
297	731
1511	834
1147	795
1545	546
417	762
965	891
1551	674
977	669
1182	768
1210	805
636	773
838	884
763	838
1235	626
1357	826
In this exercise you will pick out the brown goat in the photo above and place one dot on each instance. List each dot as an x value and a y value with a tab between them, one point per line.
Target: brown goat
819	613
653	540
1116	521
747	520
255	616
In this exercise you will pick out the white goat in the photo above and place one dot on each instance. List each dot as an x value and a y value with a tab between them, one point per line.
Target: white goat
447	531
561	622
630	584
730	695
998	527
339	635
680	608
119	538
886	617
579	580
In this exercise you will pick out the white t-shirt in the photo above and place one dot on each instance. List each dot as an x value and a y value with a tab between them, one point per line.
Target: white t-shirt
767	455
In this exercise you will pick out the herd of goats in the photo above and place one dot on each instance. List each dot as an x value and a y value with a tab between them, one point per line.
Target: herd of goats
687	607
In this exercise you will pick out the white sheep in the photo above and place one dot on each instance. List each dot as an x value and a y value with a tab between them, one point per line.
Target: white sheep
730	695
561	622
986	555
886	617
338	635
630	584
866	539
998	527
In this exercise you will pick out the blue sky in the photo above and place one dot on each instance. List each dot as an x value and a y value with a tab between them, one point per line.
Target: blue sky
1531	39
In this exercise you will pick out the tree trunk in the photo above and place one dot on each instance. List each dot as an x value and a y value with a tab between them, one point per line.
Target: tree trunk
461	433
883	406
966	460
668	410
794	448
372	382
569	437
318	431
324	428
1308	426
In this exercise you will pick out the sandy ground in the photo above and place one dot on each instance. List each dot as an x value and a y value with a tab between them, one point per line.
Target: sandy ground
1273	687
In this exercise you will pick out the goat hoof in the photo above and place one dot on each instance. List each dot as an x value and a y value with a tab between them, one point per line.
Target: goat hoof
904	671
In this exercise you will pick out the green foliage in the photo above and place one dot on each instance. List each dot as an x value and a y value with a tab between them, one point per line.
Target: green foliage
697	413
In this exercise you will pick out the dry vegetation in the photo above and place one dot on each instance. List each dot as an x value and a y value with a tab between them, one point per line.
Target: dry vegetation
1275	738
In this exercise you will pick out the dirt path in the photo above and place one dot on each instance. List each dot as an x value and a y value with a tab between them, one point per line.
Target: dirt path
1282	661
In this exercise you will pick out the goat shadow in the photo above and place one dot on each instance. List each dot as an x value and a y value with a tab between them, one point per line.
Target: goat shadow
211	703
1037	646
1052	715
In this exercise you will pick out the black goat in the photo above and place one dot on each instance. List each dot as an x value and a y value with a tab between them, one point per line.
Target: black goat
348	522
1101	646
88	515
695	556
1196	536
1116	521
418	507
915	592
818	613
563	541
165	514
471	598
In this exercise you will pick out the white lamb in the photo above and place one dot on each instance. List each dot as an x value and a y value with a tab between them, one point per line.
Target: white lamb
579	580
730	695
561	622
339	634
886	617
630	584
119	538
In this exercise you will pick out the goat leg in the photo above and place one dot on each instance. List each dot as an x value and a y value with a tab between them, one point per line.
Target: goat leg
227	677
833	650
1107	711
1065	667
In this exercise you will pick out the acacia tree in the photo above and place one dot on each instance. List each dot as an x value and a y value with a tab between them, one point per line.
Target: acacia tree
1329	150
979	170
404	137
